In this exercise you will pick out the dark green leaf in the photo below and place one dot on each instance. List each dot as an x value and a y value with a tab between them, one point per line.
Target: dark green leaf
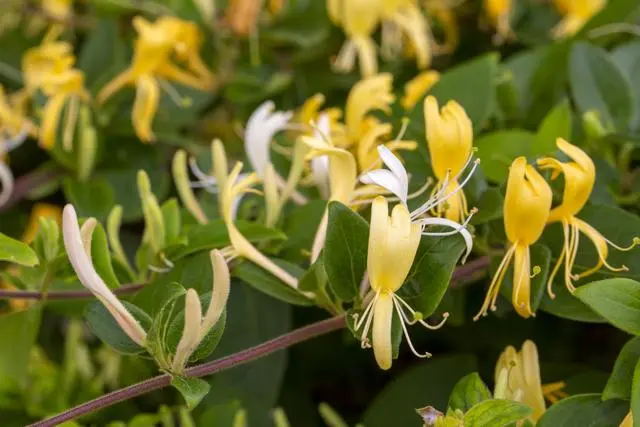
498	149
619	383
345	250
16	252
567	306
91	199
495	413
265	282
586	410
597	84
557	124
617	300
104	326
425	384
468	392
192	389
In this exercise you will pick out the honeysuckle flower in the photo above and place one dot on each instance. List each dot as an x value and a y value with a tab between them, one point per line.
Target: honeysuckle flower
499	14
77	242
404	18
15	126
575	14
526	208
442	12
197	324
579	178
450	137
416	88
358	19
51	58
396	181
261	127
152	67
517	378
393	242
66	88
40	210
320	164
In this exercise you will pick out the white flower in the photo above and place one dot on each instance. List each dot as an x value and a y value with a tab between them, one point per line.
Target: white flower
6	176
320	164
396	181
78	245
263	124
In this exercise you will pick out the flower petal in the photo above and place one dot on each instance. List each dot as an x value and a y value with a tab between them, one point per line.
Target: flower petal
459	228
395	165
387	180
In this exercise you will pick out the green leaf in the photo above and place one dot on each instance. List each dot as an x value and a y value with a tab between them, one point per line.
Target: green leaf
557	124
469	391
584	410
172	221
192	389
489	206
302	24
345	250
495	413
617	300
104	326
265	282
619	383
567	306
91	199
16	252
597	84
540	257
431	272
214	235
427	383
627	59
18	333
497	150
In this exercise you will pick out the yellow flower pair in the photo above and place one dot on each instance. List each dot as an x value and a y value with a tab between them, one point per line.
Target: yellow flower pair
156	50
527	210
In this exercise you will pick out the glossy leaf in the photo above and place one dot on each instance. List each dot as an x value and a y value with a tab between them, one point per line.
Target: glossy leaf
619	385
263	281
584	410
496	412
16	252
497	150
104	326
616	300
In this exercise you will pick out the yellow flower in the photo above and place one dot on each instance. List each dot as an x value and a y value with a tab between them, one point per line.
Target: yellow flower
43	61
57	9
417	87
393	242
442	11
628	420
579	178
40	210
358	19
499	14
13	119
575	14
152	67
404	18
450	136
66	88
526	209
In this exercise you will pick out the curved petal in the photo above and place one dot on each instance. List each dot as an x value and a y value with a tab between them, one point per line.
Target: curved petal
220	292
459	228
395	165
387	180
261	127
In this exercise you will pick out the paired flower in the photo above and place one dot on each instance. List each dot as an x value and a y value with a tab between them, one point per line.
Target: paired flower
77	241
575	14
153	67
517	378
579	178
450	137
526	208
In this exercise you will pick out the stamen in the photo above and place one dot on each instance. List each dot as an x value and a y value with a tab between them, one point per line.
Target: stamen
536	270
179	100
635	242
365	313
449	233
158	269
417	316
403	129
364	337
406	334
494	287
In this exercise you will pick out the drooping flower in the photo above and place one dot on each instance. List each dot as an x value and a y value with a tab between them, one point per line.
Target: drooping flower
403	18
442	12
77	242
575	14
499	15
526	208
358	19
393	242
579	178
450	137
153	66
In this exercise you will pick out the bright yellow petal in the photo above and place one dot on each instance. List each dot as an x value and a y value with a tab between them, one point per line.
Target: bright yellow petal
522	281
416	88
50	119
145	107
534	397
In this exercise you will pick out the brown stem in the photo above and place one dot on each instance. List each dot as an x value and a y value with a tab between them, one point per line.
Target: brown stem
294	337
67	295
468	270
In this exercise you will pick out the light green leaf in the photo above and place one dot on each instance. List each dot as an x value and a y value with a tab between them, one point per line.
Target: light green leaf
617	300
495	413
619	383
265	282
469	391
101	257
192	389
584	410
18	333
345	250
635	393
91	199
14	251
597	84
497	150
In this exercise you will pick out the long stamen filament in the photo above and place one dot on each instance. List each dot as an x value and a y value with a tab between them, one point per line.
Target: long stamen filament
417	317
406	333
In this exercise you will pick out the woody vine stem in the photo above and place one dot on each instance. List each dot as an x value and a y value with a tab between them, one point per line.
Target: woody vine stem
261	350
